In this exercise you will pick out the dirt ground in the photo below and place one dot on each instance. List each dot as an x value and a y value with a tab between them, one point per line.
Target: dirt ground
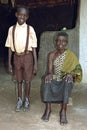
31	120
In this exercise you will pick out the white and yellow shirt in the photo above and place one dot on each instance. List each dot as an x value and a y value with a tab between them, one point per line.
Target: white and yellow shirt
20	36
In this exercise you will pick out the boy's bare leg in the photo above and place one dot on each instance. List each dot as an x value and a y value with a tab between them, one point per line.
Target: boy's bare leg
20	89
27	94
19	102
27	89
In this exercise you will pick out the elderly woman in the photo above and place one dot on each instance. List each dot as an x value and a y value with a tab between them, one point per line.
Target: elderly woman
63	71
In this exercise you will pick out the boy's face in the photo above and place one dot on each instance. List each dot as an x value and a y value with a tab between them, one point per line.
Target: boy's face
22	16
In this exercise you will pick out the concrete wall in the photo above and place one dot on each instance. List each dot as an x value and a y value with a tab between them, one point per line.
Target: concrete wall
83	38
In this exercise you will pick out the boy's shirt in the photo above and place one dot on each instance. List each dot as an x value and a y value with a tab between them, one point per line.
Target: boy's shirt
20	36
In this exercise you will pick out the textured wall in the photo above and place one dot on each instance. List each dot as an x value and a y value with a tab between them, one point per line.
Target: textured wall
4	1
46	45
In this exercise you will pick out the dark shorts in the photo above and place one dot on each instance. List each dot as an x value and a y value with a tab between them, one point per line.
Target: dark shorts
23	67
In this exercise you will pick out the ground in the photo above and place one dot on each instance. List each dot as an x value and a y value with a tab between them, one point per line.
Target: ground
31	120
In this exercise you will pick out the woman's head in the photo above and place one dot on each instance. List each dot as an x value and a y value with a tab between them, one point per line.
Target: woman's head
22	14
61	40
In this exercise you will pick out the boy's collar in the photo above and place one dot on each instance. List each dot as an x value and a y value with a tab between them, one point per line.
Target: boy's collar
23	25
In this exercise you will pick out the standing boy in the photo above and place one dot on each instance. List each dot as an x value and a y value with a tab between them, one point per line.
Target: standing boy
22	41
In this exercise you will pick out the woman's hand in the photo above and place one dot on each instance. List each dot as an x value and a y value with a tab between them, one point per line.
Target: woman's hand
48	78
68	78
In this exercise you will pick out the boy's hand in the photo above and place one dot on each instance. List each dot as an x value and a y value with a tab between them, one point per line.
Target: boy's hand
35	70
10	71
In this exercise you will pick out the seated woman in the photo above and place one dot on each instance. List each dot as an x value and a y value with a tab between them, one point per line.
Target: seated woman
63	71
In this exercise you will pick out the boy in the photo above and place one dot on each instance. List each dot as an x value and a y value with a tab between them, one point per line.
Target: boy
22	41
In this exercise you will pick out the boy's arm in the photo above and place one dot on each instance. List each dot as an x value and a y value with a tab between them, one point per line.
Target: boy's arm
35	61
9	60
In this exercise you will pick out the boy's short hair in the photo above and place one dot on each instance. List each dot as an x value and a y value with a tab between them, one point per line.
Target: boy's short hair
19	7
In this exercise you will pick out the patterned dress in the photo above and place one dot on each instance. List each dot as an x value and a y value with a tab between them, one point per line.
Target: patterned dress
57	66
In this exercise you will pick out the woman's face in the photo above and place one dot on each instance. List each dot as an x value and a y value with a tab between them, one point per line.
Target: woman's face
61	42
22	16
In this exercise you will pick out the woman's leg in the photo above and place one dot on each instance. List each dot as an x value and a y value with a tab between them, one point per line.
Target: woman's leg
68	89
63	119
47	112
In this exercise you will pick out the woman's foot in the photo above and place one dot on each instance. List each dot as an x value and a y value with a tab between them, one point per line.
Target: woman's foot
46	116
63	119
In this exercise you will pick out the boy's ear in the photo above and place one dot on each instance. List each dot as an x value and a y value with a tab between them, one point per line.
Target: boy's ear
27	16
16	14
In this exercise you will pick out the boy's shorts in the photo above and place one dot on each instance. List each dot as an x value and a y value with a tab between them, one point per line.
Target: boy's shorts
23	67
